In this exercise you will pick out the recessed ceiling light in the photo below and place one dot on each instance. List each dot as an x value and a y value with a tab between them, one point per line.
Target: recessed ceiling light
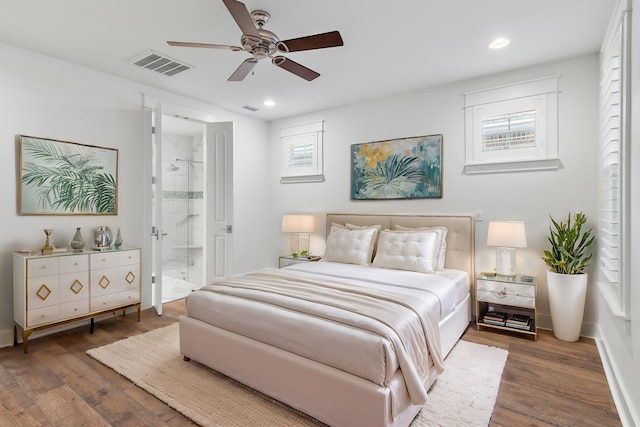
269	103
499	43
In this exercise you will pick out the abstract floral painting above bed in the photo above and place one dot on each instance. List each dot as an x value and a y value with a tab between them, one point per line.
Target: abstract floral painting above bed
406	168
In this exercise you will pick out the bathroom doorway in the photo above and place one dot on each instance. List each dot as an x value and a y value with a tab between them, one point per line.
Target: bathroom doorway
198	195
183	207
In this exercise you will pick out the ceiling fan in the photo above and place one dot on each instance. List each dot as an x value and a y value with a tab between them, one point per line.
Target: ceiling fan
261	43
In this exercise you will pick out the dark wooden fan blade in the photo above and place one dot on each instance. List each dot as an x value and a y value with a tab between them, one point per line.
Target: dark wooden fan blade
242	71
295	68
204	45
318	41
242	17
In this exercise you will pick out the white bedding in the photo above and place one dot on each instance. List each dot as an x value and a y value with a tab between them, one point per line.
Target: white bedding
335	343
449	293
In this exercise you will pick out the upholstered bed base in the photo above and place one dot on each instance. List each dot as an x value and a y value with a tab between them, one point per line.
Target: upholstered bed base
330	395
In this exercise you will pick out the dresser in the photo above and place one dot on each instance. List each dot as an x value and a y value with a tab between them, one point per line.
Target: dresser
51	290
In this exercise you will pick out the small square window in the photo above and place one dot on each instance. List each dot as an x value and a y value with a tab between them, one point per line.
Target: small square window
302	153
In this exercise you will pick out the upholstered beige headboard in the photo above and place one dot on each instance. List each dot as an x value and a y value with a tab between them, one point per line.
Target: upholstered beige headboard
460	232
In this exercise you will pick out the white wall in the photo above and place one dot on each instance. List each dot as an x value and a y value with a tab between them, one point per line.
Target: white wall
48	98
527	196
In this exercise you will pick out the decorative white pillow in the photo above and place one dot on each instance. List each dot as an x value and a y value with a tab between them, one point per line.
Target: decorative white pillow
350	246
408	250
442	252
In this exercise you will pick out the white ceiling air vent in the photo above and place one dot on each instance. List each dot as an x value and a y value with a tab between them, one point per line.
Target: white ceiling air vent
250	107
160	63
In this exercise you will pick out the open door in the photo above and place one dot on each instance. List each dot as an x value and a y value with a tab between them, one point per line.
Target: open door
156	231
219	152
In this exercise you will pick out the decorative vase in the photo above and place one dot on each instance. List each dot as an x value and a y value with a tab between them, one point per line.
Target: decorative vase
567	294
118	242
77	243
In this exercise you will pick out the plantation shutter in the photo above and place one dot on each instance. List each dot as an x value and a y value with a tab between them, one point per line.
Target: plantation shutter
613	183
302	153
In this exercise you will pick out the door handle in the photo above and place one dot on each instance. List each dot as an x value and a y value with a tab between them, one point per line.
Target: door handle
154	232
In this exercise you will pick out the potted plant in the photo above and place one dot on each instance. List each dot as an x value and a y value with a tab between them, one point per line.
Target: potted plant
566	278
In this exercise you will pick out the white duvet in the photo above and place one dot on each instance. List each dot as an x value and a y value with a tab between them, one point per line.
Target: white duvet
367	321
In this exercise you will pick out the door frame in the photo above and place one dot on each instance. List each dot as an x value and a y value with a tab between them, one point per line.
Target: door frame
172	109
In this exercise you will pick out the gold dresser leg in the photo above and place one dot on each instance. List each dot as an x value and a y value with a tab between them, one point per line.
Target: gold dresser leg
25	339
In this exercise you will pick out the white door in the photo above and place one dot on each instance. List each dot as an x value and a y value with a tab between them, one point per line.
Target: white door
156	231
219	152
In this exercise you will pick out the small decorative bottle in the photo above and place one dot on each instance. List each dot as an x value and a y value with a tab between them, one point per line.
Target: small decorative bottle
77	243
118	241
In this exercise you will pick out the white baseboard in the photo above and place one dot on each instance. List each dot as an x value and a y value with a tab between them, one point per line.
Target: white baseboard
621	398
6	338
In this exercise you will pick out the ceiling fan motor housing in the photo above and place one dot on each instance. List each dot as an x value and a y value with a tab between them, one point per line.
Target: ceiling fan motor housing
262	47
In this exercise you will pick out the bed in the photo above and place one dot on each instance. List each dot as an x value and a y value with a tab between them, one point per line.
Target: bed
324	353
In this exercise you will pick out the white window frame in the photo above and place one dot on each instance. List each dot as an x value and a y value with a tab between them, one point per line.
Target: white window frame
614	201
540	95
310	134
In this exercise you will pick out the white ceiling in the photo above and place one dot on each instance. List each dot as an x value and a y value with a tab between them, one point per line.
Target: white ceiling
389	47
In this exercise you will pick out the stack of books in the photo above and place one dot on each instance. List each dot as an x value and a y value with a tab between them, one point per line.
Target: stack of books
519	321
495	318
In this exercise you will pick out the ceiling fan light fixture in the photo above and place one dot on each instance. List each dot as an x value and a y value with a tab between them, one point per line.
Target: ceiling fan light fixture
499	43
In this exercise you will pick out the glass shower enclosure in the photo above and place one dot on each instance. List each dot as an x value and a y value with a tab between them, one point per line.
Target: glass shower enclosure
182	215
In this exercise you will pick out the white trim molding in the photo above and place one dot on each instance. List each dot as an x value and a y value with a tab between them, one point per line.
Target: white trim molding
539	100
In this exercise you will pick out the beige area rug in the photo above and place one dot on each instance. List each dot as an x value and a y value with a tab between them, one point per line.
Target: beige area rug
464	395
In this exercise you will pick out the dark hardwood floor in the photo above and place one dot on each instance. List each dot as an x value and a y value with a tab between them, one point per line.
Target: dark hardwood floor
545	383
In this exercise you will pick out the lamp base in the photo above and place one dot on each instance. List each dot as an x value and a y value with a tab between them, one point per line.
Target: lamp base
300	245
505	261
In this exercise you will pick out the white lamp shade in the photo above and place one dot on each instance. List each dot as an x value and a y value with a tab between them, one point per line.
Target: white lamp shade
298	224
509	234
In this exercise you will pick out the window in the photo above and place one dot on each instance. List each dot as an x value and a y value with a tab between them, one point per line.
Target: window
613	280
302	153
509	131
512	127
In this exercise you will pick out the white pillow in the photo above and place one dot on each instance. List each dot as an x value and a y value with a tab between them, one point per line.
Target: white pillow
408	250
350	246
348	226
442	252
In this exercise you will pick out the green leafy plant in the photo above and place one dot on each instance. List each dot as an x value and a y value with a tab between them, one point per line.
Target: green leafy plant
568	254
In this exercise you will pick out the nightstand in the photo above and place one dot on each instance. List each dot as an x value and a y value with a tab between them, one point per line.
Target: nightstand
286	260
507	303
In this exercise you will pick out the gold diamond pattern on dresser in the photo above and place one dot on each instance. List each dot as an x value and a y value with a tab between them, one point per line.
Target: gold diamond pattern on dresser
76	287
130	277
104	282
43	292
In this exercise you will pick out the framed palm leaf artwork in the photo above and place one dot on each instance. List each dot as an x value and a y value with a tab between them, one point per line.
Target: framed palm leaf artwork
407	168
66	178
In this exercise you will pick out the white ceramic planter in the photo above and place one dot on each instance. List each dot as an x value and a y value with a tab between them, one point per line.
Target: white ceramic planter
567	293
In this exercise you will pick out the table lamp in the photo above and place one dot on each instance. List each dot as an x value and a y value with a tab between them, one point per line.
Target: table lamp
507	236
300	226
